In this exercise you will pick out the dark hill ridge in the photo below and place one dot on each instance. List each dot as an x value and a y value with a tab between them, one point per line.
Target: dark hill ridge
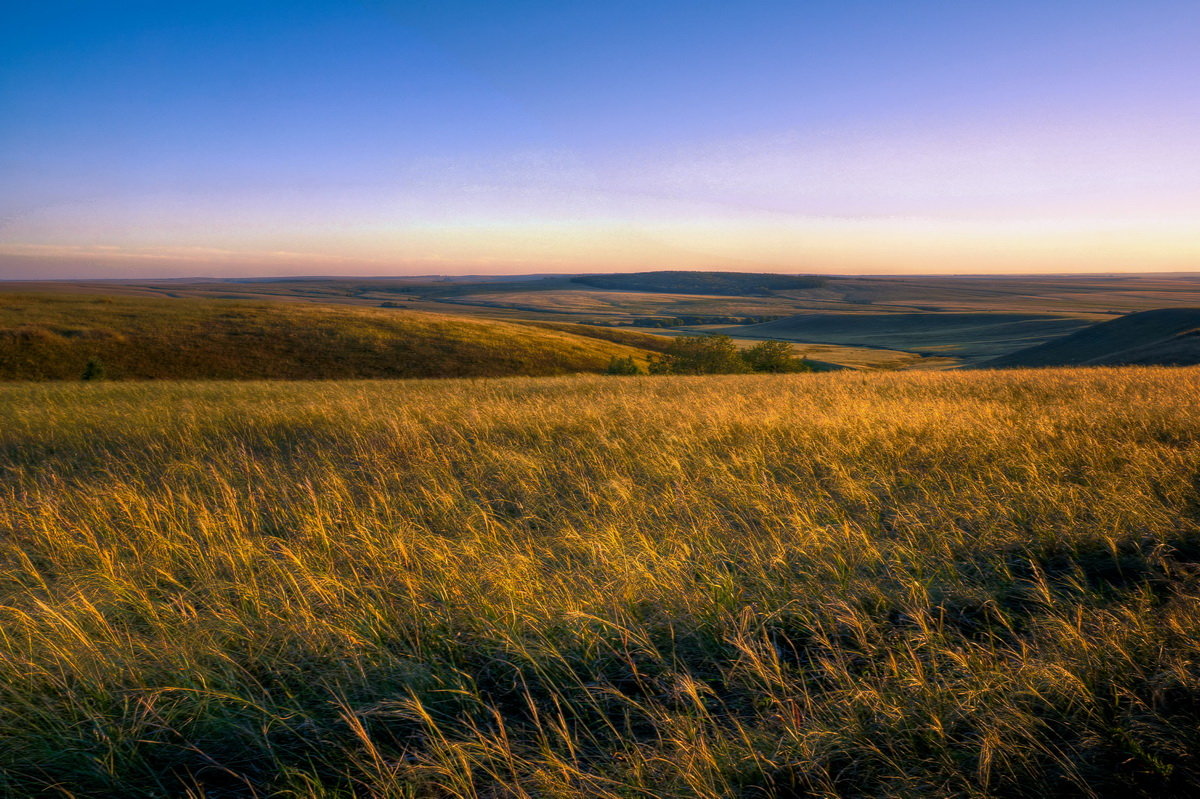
1167	337
732	284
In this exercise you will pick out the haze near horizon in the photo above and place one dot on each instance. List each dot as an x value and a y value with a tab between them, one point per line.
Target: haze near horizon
268	138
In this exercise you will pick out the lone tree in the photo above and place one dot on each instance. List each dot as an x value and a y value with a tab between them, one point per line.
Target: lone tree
94	370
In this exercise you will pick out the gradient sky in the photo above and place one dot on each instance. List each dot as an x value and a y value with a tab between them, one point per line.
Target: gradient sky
147	139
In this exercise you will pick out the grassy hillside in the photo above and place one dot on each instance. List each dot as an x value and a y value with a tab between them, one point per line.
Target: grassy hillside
1167	336
631	338
958	334
52	337
913	584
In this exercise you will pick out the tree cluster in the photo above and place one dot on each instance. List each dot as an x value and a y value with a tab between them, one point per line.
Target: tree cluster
712	355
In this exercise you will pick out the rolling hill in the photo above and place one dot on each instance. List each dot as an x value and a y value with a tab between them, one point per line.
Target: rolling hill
968	335
53	337
1166	337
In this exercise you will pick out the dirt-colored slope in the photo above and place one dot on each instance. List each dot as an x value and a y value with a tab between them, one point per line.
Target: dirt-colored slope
53	337
1167	336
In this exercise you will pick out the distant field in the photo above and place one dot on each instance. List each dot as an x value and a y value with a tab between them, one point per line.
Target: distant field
966	318
838	355
1055	294
852	584
609	304
733	284
653	341
53	337
950	334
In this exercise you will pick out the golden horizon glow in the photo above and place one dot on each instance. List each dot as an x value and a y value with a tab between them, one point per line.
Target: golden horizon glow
966	140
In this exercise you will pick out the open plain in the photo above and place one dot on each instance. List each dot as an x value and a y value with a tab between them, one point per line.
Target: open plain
869	584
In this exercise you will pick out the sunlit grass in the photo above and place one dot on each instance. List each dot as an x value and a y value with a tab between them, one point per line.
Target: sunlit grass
54	336
922	584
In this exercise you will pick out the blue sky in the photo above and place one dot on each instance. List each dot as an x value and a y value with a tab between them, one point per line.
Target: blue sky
214	138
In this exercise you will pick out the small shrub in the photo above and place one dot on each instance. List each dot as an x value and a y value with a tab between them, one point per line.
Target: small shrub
623	365
777	357
94	370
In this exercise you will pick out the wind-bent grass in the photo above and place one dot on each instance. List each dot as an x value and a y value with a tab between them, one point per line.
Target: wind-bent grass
933	584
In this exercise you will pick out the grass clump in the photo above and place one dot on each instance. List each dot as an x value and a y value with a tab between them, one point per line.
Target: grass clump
912	584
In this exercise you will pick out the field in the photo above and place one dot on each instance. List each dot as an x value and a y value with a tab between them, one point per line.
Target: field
851	584
895	322
54	336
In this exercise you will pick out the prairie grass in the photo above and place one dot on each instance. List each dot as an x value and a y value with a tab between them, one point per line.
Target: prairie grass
54	336
858	584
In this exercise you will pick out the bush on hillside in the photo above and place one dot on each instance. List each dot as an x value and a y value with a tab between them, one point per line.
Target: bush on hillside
94	370
700	355
711	355
775	356
623	365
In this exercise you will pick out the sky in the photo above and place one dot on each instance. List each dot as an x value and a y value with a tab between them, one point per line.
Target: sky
170	139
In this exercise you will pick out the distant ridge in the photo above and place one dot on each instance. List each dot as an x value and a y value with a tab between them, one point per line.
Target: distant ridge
733	284
1167	336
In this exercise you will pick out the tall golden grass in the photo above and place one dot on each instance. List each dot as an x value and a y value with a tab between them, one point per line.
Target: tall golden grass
55	336
915	584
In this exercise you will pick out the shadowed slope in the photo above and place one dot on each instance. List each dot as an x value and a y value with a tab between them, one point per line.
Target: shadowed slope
961	334
1167	336
54	338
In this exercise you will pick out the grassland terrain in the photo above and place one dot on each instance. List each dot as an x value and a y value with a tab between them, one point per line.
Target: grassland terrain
838	355
617	306
644	340
963	335
970	583
734	284
896	322
1068	294
1168	336
54	336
